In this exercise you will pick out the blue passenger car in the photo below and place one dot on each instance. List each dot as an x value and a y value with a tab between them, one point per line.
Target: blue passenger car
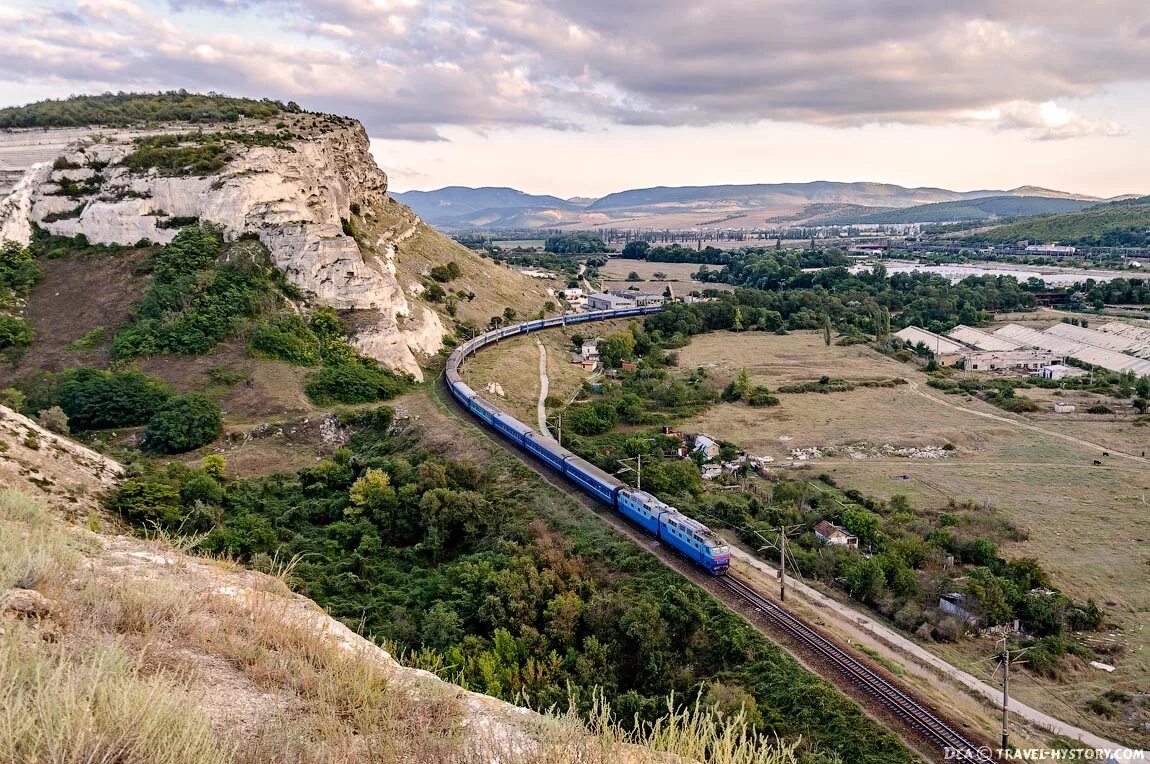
641	508
510	427
592	479
546	449
482	409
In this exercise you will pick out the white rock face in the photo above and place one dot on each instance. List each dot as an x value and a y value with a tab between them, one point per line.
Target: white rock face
293	198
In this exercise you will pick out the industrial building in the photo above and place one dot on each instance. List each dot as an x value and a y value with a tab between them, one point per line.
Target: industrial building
947	352
606	301
977	338
1086	345
1024	359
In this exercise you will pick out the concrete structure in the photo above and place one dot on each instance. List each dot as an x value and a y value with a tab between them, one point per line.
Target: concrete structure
947	352
829	533
605	301
1059	371
977	338
706	446
1010	360
1074	347
572	294
1064	408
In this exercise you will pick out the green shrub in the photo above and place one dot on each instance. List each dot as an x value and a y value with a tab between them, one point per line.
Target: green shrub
357	381
145	503
761	396
95	399
19	270
184	423
287	338
1099	409
15	332
445	273
196	302
53	419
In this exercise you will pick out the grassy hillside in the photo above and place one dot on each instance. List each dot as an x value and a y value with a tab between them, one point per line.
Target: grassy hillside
1118	224
987	208
127	109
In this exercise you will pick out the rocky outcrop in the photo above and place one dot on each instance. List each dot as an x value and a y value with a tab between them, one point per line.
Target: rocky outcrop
295	196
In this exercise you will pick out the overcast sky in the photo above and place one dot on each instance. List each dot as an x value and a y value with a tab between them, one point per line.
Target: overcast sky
585	97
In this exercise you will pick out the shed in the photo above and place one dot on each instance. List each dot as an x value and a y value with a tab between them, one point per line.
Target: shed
1061	407
1059	371
954	604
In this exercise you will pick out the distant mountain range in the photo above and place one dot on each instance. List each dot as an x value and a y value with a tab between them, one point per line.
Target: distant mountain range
754	205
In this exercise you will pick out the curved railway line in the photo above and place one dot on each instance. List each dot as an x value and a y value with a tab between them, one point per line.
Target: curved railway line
937	734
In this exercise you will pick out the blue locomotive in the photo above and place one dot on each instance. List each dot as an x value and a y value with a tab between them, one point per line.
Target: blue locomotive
694	540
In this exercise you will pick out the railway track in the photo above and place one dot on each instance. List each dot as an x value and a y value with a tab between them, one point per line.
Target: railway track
927	727
951	743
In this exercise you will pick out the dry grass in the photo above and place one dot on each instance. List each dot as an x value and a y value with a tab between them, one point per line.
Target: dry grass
1089	525
149	657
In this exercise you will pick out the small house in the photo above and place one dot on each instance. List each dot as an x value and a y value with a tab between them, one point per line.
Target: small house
590	349
706	446
829	533
1061	407
629	366
712	471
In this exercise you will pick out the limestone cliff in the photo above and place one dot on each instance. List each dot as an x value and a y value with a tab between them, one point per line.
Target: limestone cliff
295	194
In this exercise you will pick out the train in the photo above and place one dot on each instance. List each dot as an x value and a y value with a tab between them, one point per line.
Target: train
695	541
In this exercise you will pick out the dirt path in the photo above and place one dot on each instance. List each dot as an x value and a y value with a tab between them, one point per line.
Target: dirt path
923	662
1025	426
541	406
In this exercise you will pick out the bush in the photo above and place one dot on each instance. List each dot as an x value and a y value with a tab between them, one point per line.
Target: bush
15	332
288	339
184	423
355	381
95	399
445	273
53	419
761	396
1099	409
144	503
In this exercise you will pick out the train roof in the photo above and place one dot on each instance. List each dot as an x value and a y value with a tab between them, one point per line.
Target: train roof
511	421
701	532
595	472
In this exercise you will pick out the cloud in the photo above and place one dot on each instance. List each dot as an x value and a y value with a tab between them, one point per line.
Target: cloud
411	67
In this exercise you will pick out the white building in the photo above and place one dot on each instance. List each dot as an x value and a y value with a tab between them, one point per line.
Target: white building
605	301
1061	407
572	294
1059	371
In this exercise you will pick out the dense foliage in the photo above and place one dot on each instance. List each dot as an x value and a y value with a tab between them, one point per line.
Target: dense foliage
197	298
581	243
126	109
19	271
95	399
494	579
184	423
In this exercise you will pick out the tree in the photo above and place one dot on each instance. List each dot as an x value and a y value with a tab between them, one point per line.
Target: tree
827	329
633	276
442	627
184	423
635	250
53	419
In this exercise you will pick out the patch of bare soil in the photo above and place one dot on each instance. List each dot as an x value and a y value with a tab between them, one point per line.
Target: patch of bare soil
75	297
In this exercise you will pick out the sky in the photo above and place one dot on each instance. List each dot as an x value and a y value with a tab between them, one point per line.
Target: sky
586	97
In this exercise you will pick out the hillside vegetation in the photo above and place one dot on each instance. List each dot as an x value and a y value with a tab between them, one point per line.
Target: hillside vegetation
1118	224
128	109
986	208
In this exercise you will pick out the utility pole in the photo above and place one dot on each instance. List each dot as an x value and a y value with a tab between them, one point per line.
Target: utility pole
637	469
784	531
1004	660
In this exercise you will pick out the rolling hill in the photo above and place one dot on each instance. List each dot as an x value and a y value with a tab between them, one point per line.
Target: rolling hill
1123	223
745	206
985	208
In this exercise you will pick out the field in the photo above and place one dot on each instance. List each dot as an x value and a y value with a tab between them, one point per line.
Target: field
677	276
1088	524
514	366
